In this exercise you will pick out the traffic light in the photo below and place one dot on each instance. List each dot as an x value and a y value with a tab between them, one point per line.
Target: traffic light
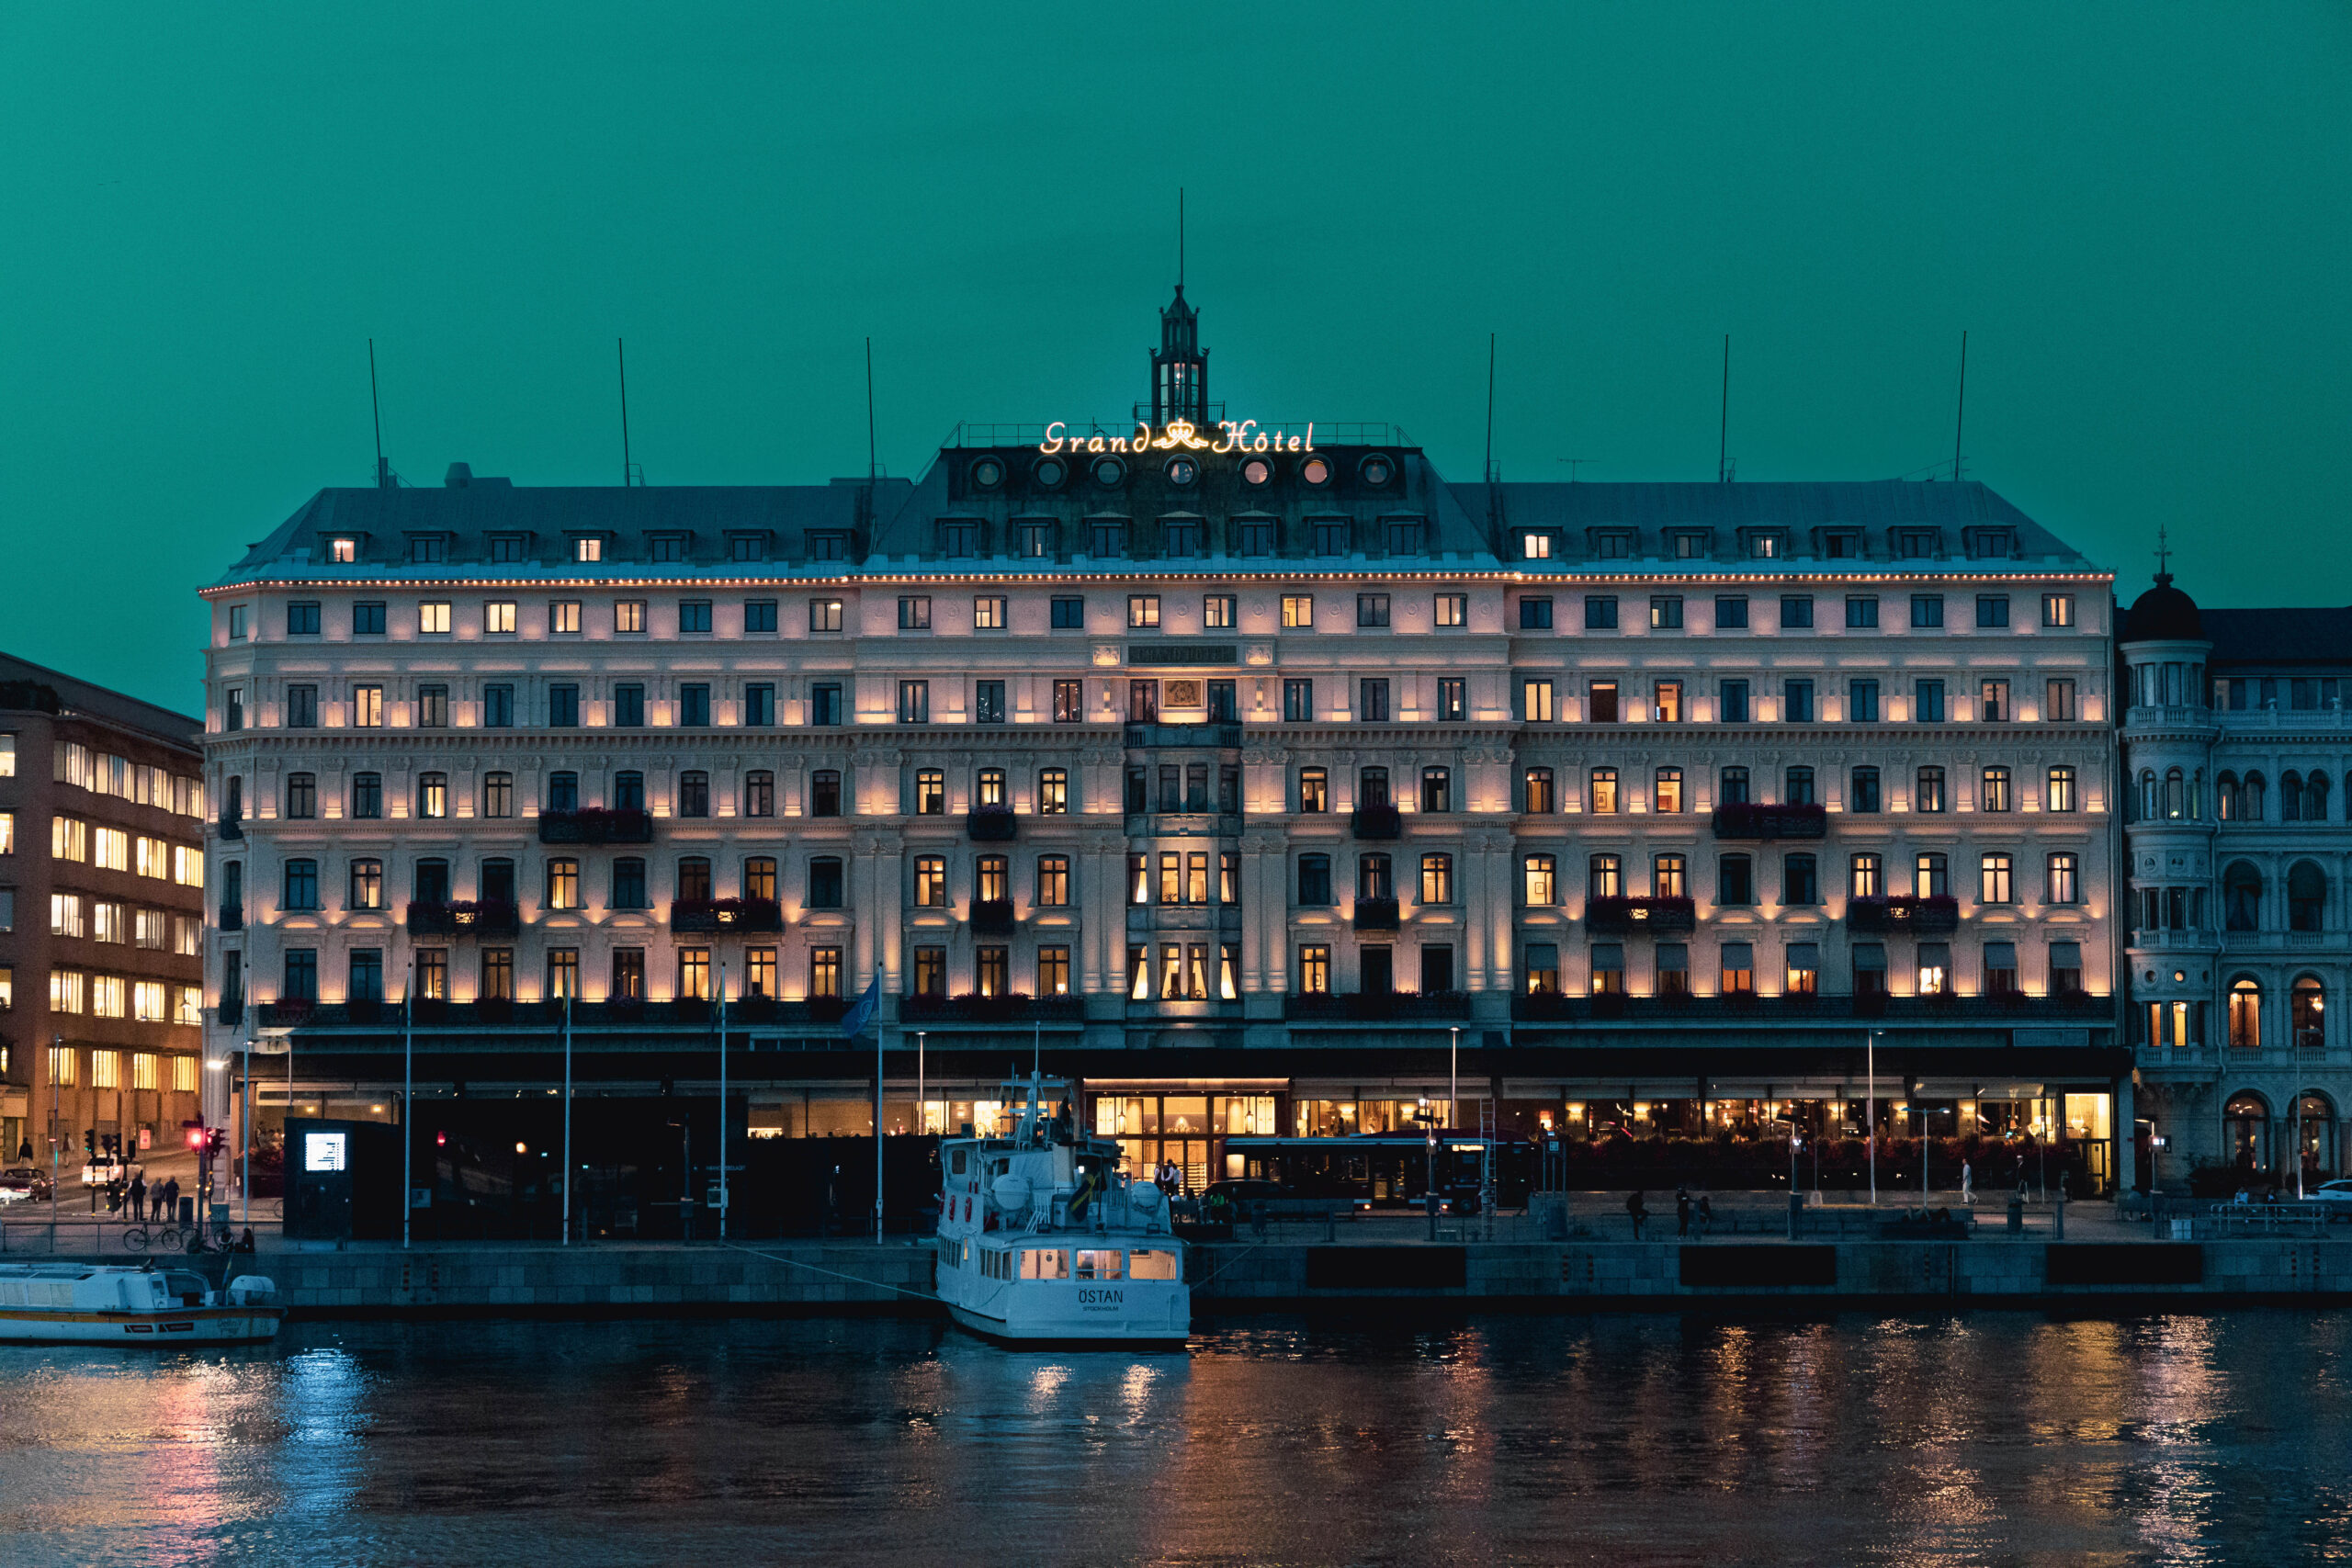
195	1131
89	1142
219	1143
441	1140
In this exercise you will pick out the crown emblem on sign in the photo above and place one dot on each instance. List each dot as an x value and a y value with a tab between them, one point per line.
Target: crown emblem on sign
1180	433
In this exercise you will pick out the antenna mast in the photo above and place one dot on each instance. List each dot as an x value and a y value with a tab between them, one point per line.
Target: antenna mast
628	469
869	414
1960	414
1723	430
376	406
1179	238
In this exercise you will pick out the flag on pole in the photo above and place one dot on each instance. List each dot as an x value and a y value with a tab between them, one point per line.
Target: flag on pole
854	1021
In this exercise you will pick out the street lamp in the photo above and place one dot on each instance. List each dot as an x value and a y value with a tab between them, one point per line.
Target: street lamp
1925	1112
1426	1117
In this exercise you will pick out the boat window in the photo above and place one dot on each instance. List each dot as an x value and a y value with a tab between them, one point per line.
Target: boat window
955	1161
1151	1266
1045	1263
1099	1263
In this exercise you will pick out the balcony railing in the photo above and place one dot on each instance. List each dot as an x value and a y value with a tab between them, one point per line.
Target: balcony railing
232	828
992	916
1013	1007
232	917
1552	1007
1626	916
488	918
687	1014
1375	914
1376	822
722	915
1145	735
1752	821
991	824
595	824
1940	912
1342	1007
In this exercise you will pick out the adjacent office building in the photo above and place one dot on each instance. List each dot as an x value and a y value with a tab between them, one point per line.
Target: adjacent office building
1247	769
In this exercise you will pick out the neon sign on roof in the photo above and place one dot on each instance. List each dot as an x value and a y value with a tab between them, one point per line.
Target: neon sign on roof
1181	435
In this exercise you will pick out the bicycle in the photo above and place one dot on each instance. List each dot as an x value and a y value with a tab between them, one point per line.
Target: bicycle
138	1237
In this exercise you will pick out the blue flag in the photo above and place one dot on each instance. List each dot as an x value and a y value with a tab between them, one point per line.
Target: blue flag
854	1022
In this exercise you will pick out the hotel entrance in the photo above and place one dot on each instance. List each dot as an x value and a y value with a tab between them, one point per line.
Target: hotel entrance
1185	1125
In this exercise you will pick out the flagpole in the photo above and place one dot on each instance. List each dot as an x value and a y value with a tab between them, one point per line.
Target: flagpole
567	1113
407	1100
722	1100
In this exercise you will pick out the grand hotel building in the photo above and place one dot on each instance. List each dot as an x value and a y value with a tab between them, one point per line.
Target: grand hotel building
1246	770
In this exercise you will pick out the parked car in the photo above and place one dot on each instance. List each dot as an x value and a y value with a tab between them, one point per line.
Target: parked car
2337	1196
23	1184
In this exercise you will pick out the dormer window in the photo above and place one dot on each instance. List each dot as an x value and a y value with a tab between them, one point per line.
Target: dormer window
428	549
747	548
1841	543
665	548
1991	544
588	549
1404	535
343	552
1767	544
1613	544
505	549
1916	544
828	546
959	536
1534	544
1689	544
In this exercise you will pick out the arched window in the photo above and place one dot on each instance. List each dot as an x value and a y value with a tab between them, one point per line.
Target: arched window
2147	812
2241	898
2225	797
302	885
1800	790
1372	787
694	878
628	790
2250	796
2175	795
2306	1013
759	877
2315	1134
432	794
2291	797
563	883
563	791
2316	798
1540	799
431	882
367	884
2245	1014
301	795
1542	878
367	796
498	880
1436	879
2306	897
628	884
1734	787
1605	877
931	792
1376	878
2245	1128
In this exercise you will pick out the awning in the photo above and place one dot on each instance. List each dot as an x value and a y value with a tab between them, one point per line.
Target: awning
1855	1088
1970	1089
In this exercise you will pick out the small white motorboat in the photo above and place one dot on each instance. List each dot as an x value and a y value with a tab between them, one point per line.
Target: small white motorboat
87	1304
1043	1240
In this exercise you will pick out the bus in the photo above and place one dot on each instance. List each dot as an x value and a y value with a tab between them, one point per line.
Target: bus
1377	1170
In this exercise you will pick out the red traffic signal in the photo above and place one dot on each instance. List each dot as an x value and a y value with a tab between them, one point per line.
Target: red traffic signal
195	1138
440	1140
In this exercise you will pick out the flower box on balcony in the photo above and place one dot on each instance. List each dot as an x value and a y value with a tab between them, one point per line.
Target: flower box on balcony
1375	914
992	916
487	918
1750	821
1623	917
1375	822
719	915
991	824
1941	913
595	824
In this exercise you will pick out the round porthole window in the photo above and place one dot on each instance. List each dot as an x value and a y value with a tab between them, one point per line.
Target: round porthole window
988	473
1377	470
1109	472
1315	472
1257	471
1049	473
1183	471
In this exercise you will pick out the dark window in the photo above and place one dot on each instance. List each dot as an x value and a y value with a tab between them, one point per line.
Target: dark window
367	618
1601	702
1861	703
1315	880
563	791
1992	609
693	794
1796	612
1800	880
431	882
1731	613
825	793
1665	612
302	708
1799	705
301	975
694	878
1372	609
564	706
1733	706
1298	701
1600	613
628	706
1372	707
825	883
758	704
1863	796
1069	614
302	618
1735	880
1069	701
628	884
628	790
987	702
1927	609
498	706
759	614
1225	706
1862	610
694	705
825	705
1735	789
693	615
368	796
433	707
302	885
301	795
1535	614
1929	703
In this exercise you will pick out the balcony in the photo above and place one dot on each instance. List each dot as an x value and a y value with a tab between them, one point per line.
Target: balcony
1936	914
1375	822
1145	737
232	828
991	824
1013	1007
726	914
699	1017
993	917
488	918
1384	1006
1375	914
1768	822
232	917
1628	917
2073	1007
595	824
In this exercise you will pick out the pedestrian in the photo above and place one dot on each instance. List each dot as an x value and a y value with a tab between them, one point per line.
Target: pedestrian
138	1195
1706	1216
1682	1211
172	1201
1638	1208
1967	1183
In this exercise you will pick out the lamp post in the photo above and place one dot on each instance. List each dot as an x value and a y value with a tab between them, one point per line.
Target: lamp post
1925	1112
1796	1143
1426	1117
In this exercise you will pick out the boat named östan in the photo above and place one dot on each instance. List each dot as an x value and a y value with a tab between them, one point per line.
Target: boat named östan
84	1304
1043	1240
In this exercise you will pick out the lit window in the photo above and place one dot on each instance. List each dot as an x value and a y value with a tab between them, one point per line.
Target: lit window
498	616
433	615
1298	611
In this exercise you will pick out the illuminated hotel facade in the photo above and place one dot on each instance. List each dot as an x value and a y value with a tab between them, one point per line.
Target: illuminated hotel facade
1244	770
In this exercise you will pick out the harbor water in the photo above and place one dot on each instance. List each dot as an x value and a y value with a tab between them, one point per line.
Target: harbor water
1989	1437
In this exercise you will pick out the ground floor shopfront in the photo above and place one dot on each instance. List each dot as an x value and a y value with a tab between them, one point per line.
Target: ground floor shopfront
2242	1121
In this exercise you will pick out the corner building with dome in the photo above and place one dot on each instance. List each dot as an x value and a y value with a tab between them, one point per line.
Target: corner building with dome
2235	756
1249	770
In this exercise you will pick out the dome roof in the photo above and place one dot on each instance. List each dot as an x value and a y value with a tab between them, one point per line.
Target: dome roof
2164	613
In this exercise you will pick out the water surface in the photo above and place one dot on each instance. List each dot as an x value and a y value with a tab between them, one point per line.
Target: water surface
1861	1439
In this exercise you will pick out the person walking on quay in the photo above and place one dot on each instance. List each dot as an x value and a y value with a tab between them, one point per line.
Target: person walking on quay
1967	1183
138	1195
1682	1211
172	1201
1637	1206
1706	1216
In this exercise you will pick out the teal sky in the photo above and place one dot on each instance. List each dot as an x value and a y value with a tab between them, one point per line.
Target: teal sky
2140	212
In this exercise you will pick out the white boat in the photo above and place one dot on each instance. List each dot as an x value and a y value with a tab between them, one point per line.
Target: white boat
84	1304
1043	1240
